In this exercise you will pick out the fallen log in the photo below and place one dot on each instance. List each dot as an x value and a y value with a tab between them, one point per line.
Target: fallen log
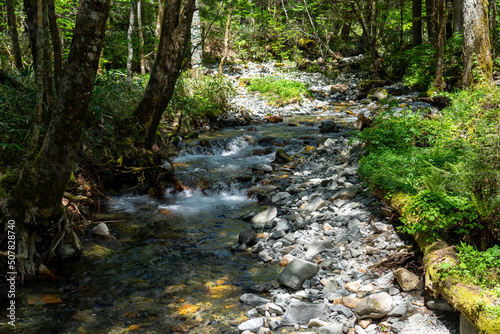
472	301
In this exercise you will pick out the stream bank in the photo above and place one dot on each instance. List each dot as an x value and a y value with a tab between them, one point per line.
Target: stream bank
188	263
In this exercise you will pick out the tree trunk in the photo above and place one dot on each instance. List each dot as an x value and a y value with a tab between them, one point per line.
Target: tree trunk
477	50
417	22
31	25
39	79
493	25
175	33
440	14
35	203
458	16
11	21
159	20
56	42
130	46
226	42
196	46
430	13
141	38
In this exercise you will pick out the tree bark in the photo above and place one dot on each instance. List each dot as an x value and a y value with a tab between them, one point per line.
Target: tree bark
440	14
458	16
35	203
141	38
493	25
159	20
175	33
196	42
130	46
226	41
417	22
56	42
477	50
430	13
11	21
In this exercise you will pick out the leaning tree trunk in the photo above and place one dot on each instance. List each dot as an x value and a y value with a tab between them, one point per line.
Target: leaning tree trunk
56	42
35	203
175	33
11	21
477	50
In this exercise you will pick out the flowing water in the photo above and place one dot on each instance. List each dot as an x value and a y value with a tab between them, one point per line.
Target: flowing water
170	267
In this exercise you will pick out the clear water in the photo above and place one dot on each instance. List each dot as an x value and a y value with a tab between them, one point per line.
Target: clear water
170	267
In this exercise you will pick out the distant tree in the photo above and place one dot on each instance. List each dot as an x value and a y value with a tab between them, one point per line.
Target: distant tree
477	59
417	22
440	26
11	21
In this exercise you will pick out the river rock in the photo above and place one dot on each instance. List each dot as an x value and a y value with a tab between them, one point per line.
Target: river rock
253	300
101	231
332	329
377	94
252	325
301	313
281	156
316	247
314	203
407	280
262	168
296	272
374	306
247	236
346	194
327	126
338	88
265	216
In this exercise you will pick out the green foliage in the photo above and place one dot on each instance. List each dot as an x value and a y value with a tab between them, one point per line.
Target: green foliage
16	112
200	97
450	165
439	213
113	100
476	267
278	90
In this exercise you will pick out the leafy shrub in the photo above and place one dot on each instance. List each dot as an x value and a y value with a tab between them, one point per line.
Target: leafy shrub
476	267
200	97
16	115
278	90
438	213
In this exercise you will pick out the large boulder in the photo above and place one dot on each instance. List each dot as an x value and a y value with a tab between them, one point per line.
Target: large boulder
374	306
407	280
296	272
265	216
301	313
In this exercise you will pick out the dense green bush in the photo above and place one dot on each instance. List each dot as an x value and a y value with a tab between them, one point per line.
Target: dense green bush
450	164
200	97
278	90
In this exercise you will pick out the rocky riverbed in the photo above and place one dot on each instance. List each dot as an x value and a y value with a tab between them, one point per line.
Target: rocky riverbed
345	269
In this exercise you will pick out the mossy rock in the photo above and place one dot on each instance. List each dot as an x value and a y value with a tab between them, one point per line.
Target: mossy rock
192	135
377	94
306	43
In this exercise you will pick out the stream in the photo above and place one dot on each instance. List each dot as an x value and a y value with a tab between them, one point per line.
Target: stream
174	264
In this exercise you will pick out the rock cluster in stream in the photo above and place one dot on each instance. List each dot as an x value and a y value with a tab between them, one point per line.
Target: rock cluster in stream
318	224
